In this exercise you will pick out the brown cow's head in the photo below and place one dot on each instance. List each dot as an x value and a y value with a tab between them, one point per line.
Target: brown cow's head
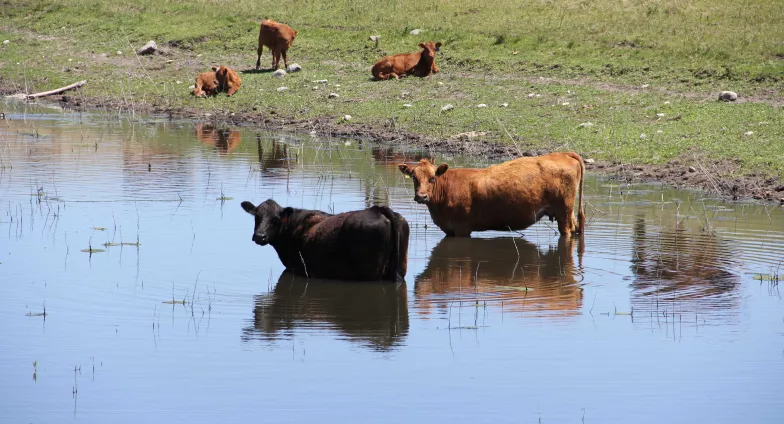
269	217
425	176
430	48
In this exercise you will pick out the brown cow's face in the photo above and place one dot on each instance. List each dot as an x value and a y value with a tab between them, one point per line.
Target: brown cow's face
267	221
425	177
430	49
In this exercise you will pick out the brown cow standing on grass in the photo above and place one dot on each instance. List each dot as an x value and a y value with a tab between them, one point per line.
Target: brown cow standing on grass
366	245
206	84
278	37
508	196
228	80
420	64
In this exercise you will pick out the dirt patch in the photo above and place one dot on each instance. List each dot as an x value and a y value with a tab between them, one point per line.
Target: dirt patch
694	170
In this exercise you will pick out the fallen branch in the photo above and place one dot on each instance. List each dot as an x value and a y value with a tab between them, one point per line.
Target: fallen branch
23	96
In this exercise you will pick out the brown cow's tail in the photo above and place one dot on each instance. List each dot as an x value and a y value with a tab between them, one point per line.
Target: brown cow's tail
580	212
395	270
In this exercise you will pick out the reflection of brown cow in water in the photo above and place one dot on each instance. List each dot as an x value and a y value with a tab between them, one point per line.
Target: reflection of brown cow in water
224	140
371	314
683	266
274	158
502	275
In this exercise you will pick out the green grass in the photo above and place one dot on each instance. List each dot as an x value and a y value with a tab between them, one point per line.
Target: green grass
595	55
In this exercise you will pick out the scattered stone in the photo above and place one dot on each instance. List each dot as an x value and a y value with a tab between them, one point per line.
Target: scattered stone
481	105
407	105
645	86
178	82
315	87
643	135
538	96
659	132
440	83
586	125
504	105
280	73
347	144
532	95
346	117
447	108
748	133
6	42
294	67
667	102
660	115
416	32
565	104
590	161
728	96
119	53
282	89
469	135
170	61
692	169
313	133
333	95
191	87
337	85
148	48
320	81
198	55
374	38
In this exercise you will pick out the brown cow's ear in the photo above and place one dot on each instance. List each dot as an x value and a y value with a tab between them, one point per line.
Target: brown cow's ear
405	169
441	169
248	207
421	45
214	69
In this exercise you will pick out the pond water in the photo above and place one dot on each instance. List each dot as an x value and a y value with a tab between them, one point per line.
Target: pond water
131	239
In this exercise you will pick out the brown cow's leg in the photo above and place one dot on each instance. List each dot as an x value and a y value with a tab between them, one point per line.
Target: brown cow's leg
258	59
392	74
275	58
285	62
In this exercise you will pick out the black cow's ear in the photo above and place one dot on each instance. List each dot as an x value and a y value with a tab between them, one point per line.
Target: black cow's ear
249	208
286	213
406	169
441	169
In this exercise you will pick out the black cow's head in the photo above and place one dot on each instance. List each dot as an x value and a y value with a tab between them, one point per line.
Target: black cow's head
268	217
424	175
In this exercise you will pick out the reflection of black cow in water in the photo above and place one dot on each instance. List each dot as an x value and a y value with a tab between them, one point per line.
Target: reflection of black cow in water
374	314
503	275
224	140
680	265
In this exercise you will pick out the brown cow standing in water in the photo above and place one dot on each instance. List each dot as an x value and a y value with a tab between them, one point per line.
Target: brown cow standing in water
420	64
278	37
366	245
508	196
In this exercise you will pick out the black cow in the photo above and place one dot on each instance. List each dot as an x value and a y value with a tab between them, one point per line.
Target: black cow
366	245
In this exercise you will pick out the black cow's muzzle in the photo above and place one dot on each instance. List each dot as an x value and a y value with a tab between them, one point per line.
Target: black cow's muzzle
260	240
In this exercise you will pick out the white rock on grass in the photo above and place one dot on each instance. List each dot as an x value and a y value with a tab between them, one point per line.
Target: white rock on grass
565	104
481	105
374	38
660	115
667	102
282	89
6	42
589	161
407	105
532	95
748	133
504	105
148	48
643	136
320	81
645	86
728	96
416	32
346	117
333	95
294	67
447	108
279	73
586	125
191	87
178	82
119	53
440	83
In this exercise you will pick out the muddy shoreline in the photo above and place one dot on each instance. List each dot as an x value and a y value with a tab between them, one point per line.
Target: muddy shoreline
717	178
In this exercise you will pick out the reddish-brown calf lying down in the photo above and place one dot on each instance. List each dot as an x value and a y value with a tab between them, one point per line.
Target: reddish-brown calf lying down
278	37
420	63
206	84
508	196
228	80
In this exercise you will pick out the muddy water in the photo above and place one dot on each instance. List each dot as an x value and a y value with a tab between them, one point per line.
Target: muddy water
657	315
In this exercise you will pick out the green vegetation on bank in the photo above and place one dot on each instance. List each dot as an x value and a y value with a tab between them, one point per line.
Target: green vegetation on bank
645	74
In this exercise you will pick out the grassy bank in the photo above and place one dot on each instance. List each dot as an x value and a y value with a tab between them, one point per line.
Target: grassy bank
646	74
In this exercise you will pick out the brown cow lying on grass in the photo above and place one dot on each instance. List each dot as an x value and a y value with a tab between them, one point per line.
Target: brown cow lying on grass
420	64
366	245
508	196
206	84
228	80
278	37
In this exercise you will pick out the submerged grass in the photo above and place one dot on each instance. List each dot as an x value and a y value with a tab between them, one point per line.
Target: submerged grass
645	75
